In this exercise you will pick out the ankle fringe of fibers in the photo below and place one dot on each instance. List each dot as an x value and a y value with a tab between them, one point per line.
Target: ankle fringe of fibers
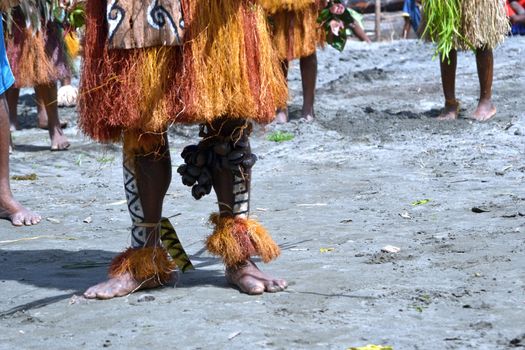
235	240
143	264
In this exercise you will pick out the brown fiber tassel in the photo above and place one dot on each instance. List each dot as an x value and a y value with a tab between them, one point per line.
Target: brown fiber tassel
235	240
272	6
143	264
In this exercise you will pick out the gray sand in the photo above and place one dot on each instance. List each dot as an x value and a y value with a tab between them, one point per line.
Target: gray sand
341	190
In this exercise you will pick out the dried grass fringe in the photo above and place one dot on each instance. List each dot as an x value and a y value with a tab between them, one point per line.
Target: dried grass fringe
233	70
143	264
34	66
484	23
273	6
226	68
237	239
297	34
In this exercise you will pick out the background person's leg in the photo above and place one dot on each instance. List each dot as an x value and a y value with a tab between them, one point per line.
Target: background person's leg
9	208
448	81
281	115
46	96
12	95
406	27
308	66
485	65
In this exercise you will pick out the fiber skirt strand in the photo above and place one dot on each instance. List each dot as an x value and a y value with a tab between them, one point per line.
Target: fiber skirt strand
36	59
227	67
484	24
297	34
272	6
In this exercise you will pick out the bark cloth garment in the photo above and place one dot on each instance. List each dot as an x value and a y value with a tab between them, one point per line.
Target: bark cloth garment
484	24
296	33
37	57
226	67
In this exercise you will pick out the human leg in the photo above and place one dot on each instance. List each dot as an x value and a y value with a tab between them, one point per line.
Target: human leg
518	19
518	8
406	27
147	176
10	209
41	113
516	12
281	116
448	80
224	160
12	95
308	76
47	97
359	32
485	65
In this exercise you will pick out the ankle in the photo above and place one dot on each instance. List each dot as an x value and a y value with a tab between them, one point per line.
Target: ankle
452	102
485	101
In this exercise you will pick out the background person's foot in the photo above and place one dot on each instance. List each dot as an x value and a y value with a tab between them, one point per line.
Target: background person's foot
250	280
309	118
450	112
281	117
59	141
14	126
485	111
308	114
17	214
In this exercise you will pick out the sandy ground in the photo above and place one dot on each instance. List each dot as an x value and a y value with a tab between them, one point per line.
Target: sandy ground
333	196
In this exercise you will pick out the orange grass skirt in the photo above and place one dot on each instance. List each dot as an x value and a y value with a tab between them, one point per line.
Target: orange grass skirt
226	67
297	34
37	58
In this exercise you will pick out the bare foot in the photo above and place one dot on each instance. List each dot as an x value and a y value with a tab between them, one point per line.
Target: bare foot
308	115
281	117
59	141
309	118
13	126
450	112
484	111
249	279
17	214
518	18
121	286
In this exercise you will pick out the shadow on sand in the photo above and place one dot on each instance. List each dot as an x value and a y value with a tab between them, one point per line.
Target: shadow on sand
74	271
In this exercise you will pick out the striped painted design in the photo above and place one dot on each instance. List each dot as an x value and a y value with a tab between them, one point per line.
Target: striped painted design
138	234
172	244
241	205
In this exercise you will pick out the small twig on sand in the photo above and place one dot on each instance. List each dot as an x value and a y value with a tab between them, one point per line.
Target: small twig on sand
9	241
